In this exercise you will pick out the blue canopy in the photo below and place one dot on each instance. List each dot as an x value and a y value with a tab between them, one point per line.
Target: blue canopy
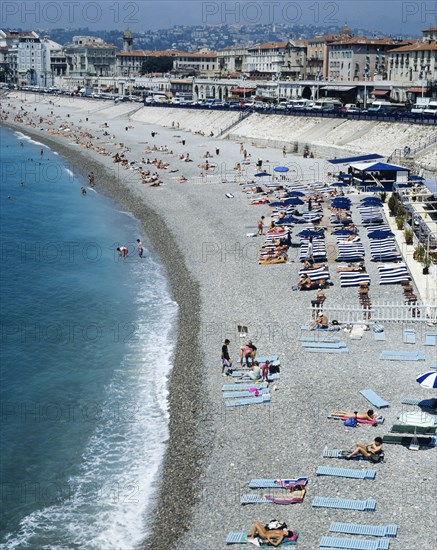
281	169
384	167
361	158
431	185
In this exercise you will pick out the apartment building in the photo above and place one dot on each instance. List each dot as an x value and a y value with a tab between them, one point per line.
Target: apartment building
90	56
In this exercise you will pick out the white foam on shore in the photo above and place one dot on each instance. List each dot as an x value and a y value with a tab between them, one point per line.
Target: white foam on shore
69	172
115	487
23	137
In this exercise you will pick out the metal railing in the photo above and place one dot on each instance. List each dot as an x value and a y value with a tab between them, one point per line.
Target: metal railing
386	312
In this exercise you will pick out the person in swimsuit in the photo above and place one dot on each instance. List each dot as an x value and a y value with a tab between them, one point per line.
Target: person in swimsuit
371	449
274	537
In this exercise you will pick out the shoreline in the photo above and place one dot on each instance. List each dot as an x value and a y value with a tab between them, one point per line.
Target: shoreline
176	477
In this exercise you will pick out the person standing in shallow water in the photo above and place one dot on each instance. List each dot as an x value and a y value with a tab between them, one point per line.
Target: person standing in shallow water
140	248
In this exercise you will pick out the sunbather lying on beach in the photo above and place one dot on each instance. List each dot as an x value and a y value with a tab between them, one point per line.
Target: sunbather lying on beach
359	268
274	537
369	415
371	449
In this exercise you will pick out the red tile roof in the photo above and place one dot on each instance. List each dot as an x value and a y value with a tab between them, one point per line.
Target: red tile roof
417	47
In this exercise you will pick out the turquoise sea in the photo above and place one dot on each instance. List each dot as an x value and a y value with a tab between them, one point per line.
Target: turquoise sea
87	343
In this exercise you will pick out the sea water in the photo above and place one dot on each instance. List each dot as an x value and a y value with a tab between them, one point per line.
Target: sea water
87	342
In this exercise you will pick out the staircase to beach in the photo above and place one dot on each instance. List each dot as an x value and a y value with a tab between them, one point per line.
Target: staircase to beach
243	115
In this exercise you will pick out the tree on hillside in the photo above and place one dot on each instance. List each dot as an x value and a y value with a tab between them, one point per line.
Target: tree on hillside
157	65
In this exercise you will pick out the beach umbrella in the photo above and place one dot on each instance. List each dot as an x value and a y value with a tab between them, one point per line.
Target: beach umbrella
379	234
262	174
295	194
293	201
277	204
428	379
281	169
306	233
344	232
288	220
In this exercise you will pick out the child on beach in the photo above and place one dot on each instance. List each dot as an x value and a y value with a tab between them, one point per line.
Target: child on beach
140	248
122	251
261	225
226	360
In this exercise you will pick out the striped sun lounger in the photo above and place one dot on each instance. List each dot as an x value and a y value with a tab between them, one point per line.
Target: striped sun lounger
353	279
389	531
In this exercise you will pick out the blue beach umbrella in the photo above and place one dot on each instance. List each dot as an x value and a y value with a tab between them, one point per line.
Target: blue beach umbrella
295	194
288	220
293	201
262	174
306	233
378	235
277	204
428	379
344	232
281	169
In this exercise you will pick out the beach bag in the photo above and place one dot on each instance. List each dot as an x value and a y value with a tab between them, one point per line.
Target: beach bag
351	422
274	369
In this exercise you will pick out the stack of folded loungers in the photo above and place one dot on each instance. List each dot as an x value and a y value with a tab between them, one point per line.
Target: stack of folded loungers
393	274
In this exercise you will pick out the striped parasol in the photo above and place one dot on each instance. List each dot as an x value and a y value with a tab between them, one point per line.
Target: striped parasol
428	379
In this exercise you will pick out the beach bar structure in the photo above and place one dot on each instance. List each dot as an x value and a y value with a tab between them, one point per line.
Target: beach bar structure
371	174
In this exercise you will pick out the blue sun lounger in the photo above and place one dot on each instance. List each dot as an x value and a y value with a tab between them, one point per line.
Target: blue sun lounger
341	454
327	350
238	373
264	358
345	472
324	345
247	401
402	356
241	538
389	531
430	339
273	483
317	338
245	386
334	543
409	336
374	398
368	505
244	393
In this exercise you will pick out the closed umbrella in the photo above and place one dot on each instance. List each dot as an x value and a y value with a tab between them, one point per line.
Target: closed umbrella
428	379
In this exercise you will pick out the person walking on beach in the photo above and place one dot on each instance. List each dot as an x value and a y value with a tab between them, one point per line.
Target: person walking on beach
310	253
226	360
217	151
140	248
261	225
91	179
284	151
122	251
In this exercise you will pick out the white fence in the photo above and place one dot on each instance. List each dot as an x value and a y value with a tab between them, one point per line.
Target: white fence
383	312
215	179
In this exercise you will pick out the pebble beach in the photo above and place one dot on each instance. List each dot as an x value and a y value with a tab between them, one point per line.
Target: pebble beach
200	235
